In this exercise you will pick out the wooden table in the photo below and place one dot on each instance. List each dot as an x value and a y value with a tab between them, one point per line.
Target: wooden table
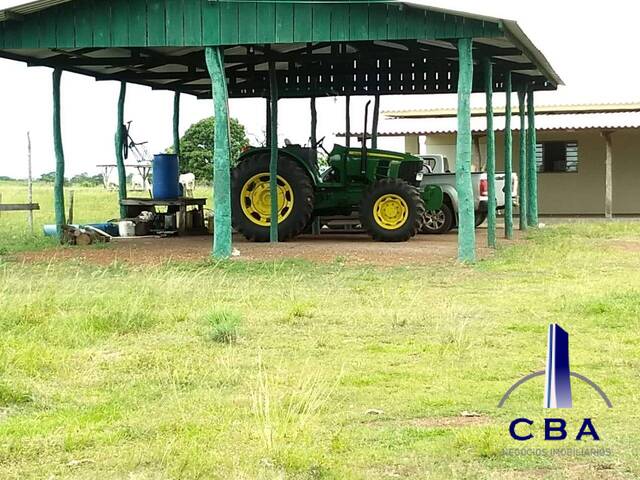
135	206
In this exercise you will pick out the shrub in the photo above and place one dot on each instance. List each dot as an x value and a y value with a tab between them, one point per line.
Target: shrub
223	327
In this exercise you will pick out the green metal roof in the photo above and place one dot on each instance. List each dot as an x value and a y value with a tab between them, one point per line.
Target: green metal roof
319	48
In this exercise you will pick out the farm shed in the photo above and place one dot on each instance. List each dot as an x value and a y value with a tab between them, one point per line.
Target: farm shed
280	49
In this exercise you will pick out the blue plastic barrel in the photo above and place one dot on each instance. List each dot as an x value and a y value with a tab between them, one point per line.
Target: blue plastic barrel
166	172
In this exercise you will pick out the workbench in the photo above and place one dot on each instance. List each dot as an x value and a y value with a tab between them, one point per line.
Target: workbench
135	206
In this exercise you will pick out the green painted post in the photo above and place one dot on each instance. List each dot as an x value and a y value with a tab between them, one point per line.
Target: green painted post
532	164
176	123
376	121
273	166
466	214
491	153
221	155
58	189
522	197
508	161
119	141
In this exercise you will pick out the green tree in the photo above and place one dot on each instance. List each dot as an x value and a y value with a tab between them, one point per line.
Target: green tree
196	147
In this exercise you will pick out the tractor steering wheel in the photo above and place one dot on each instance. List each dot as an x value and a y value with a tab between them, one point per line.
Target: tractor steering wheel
320	145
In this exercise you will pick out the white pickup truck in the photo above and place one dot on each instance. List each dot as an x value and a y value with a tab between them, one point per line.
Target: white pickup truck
436	172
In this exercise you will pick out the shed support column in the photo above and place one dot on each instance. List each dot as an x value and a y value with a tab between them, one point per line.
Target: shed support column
273	166
176	123
221	155
58	192
491	153
532	164
119	142
508	162
466	219
376	121
523	194
608	188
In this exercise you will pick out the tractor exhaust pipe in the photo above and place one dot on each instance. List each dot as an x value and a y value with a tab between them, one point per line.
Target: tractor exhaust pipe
363	154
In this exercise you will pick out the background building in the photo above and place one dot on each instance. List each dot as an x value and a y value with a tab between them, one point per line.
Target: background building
571	151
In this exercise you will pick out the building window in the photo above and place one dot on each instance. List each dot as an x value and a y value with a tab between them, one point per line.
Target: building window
553	157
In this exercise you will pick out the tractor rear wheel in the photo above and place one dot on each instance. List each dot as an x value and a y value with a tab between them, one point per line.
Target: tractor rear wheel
392	211
251	199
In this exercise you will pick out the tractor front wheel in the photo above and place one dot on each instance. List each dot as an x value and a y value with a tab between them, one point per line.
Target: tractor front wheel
251	198
392	211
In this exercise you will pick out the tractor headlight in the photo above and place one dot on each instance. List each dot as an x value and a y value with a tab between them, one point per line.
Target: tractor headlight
419	177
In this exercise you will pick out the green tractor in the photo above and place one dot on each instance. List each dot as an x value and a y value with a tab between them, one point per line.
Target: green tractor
381	186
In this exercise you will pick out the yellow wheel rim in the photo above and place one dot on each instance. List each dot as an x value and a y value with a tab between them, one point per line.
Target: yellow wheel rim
391	212
255	199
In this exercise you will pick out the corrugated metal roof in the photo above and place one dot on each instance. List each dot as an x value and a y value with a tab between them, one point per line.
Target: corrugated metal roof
540	109
584	121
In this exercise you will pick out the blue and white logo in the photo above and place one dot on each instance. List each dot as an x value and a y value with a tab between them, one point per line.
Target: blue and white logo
557	394
558	374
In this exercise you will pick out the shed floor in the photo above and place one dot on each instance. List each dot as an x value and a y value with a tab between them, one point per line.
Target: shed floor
353	249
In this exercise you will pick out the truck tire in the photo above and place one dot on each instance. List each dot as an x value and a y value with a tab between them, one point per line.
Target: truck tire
481	217
251	202
392	211
439	222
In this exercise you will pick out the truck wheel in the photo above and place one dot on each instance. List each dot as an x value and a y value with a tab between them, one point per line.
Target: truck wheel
480	218
251	201
392	211
438	222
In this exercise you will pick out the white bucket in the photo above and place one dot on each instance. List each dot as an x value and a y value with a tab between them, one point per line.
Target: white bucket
127	229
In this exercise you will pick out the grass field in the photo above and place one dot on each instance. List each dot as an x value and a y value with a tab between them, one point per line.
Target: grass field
270	370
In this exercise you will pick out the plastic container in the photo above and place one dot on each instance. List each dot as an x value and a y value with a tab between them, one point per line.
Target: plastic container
127	228
166	172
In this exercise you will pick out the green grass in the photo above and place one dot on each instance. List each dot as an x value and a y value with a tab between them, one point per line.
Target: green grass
288	369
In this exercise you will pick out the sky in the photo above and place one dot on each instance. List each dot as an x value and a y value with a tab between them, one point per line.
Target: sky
594	50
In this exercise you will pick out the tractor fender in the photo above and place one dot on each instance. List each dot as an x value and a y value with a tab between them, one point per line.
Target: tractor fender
256	152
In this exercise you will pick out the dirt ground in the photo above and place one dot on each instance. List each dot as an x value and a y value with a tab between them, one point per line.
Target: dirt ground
354	249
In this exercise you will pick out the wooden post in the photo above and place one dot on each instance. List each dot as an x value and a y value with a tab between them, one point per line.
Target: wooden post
508	161
315	226
466	214
267	131
176	123
376	121
347	121
532	164
221	155
314	123
523	194
119	141
608	183
71	202
491	153
273	166
58	189
29	182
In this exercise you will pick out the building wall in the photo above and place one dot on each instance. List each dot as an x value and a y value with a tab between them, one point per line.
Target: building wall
579	193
